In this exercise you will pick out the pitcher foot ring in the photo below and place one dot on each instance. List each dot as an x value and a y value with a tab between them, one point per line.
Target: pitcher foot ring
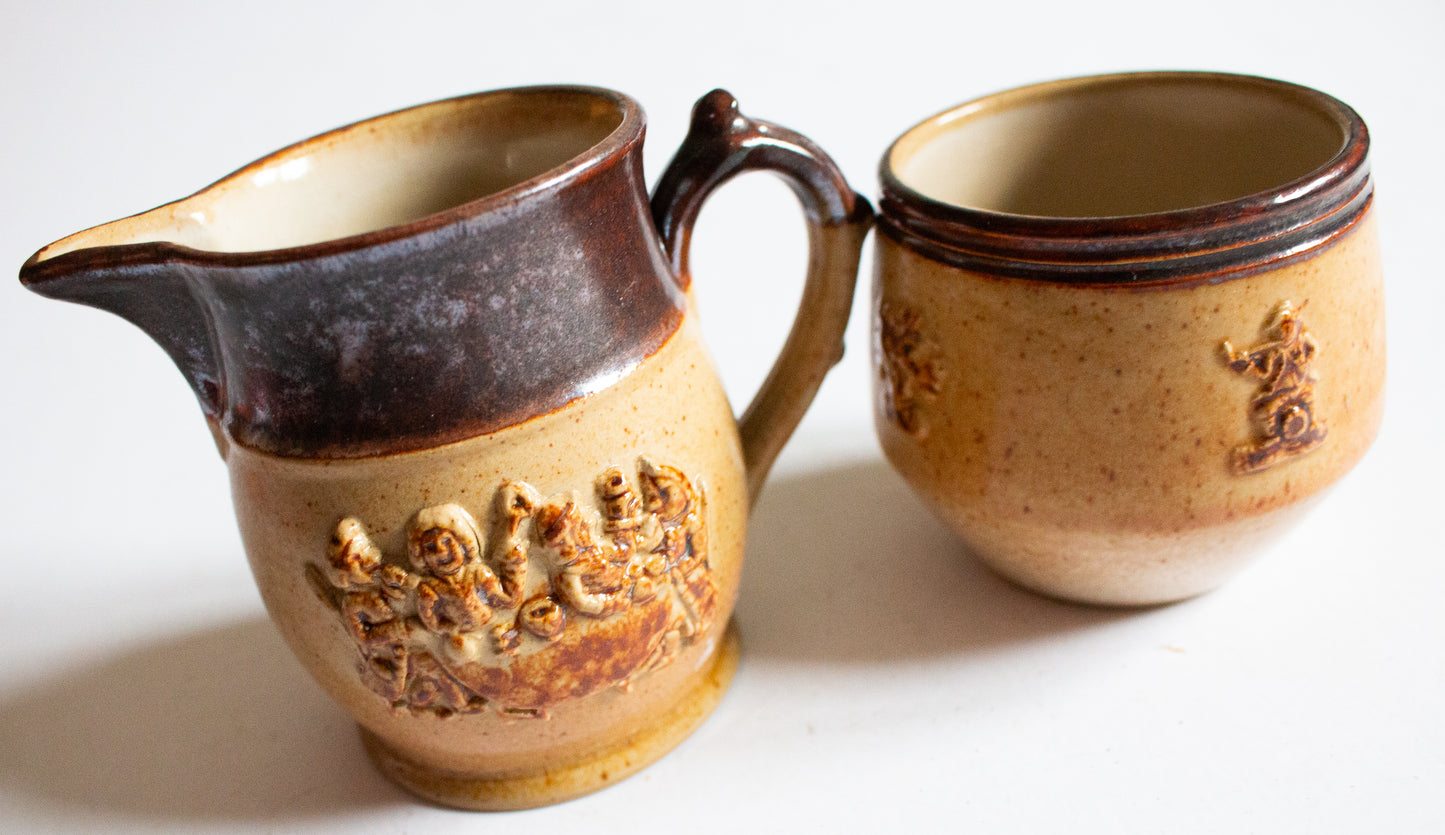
569	782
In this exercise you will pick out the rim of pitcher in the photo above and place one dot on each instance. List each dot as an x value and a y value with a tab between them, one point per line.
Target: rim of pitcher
42	266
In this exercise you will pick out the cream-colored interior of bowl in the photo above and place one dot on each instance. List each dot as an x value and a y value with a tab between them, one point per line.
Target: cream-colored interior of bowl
1109	148
375	175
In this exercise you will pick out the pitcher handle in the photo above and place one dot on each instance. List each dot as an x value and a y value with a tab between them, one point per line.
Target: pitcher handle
721	143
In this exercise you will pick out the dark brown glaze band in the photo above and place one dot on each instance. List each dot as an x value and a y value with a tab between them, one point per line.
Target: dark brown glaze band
459	324
1205	244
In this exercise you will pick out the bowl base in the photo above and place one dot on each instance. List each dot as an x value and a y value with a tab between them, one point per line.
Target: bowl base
573	780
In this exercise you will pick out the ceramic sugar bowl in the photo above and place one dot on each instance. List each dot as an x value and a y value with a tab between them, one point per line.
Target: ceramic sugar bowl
1128	328
489	485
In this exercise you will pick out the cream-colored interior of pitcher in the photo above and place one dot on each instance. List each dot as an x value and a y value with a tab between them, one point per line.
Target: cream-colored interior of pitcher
1101	148
375	175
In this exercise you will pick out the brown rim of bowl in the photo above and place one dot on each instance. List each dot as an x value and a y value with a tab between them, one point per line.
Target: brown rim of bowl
1244	236
619	142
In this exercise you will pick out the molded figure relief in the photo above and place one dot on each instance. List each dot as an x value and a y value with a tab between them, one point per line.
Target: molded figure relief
1282	411
907	368
560	599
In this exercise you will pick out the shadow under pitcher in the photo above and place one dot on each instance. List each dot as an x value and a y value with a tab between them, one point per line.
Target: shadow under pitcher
488	482
1127	328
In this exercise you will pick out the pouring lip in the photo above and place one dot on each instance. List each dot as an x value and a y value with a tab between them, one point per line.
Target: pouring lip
618	143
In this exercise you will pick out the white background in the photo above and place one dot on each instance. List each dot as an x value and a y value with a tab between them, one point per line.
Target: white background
888	680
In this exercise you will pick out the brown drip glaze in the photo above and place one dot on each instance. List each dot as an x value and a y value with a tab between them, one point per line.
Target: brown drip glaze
458	324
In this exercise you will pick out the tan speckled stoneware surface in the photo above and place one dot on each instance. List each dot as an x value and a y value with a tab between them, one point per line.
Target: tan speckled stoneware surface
550	703
1112	389
489	484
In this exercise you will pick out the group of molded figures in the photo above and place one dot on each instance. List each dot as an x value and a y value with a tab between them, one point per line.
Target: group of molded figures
421	630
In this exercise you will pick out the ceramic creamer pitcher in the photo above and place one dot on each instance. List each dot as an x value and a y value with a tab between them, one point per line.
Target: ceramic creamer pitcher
486	477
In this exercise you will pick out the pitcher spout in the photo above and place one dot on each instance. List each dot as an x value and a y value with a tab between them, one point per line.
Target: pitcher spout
130	268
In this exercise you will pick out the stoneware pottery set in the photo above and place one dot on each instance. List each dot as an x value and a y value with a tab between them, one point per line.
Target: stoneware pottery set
1125	329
